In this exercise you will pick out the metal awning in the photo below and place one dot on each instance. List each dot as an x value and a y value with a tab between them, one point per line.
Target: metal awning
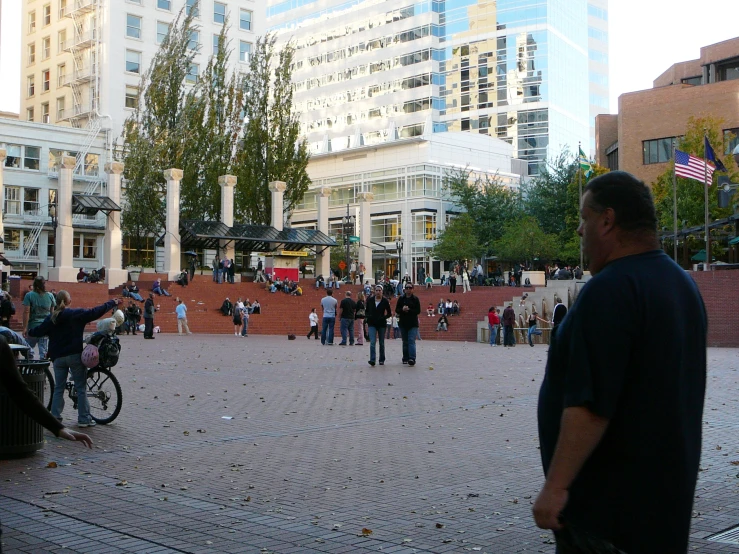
249	238
91	204
734	241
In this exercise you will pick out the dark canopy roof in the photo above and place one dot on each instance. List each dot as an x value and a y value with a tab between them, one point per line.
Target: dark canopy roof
90	204
249	238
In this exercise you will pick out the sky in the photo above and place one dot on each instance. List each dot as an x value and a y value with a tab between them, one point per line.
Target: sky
646	37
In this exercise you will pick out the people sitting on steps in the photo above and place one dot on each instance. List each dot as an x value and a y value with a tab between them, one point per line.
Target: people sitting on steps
442	324
157	288
132	291
227	307
182	279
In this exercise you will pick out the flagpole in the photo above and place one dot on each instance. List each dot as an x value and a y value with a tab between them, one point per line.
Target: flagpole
707	263
674	201
579	205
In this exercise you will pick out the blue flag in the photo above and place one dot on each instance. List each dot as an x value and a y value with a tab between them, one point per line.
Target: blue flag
711	156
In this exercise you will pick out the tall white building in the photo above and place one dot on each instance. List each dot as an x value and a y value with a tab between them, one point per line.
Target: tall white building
83	59
530	72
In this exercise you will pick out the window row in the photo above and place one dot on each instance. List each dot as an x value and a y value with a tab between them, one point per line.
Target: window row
135	23
45	16
658	150
387	110
21	243
20	156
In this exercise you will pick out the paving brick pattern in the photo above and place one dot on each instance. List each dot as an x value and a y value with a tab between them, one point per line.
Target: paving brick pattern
320	447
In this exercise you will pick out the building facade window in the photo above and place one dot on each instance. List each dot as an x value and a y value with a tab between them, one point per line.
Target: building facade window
12	203
84	246
61	39
657	151
30	201
133	61
62	9
386	228
29	114
245	19
32	53
162	31
132	97
30	85
192	74
133	26
191	7
31	158
219	12
194	40
731	141
216	43
45	116
424	226
12	239
244	51
46	48
13	155
164	5
47	14
46	80
61	75
32	22
60	106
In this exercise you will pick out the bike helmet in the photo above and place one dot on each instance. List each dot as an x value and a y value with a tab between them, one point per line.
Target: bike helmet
90	356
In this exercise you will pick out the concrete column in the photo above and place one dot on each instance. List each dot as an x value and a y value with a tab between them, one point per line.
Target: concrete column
3	155
323	260
365	233
64	270
43	249
277	188
113	242
172	226
227	184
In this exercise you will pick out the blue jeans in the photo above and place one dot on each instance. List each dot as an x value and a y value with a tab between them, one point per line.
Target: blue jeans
347	328
43	346
409	342
245	329
493	333
533	331
62	366
327	330
375	335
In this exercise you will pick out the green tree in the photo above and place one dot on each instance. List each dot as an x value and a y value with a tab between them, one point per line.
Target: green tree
690	194
525	240
271	149
489	204
458	241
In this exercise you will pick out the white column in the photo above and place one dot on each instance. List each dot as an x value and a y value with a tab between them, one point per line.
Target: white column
172	230
365	232
227	184
64	270
277	188
3	155
113	243
323	260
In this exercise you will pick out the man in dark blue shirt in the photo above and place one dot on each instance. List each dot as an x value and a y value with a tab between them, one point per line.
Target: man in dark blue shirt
621	404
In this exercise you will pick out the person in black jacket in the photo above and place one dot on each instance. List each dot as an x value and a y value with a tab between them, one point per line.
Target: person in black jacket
377	311
133	316
407	309
149	317
65	328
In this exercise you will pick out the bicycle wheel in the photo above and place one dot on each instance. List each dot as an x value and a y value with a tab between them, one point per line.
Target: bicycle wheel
104	395
48	387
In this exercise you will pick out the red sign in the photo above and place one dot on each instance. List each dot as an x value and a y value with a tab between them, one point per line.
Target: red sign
342	265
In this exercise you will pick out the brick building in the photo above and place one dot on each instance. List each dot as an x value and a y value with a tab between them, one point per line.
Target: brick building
639	138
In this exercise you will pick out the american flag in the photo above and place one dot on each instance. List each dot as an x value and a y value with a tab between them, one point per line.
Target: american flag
692	167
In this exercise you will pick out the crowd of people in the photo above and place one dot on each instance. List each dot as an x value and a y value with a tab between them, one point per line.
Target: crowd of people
94	276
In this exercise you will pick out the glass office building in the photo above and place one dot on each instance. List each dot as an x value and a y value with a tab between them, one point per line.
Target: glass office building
374	71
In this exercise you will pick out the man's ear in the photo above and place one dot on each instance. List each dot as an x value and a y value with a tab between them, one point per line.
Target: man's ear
607	220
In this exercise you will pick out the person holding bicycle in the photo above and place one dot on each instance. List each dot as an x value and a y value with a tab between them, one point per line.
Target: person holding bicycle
65	328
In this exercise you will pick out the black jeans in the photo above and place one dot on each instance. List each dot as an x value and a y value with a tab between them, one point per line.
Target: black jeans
452	286
313	331
132	325
148	327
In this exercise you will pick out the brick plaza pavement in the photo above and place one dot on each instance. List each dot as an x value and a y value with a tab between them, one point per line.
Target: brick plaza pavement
321	447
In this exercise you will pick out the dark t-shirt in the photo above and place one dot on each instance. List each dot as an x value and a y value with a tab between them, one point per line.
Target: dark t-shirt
347	308
632	349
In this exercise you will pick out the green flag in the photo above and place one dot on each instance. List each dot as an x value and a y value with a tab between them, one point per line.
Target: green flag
585	164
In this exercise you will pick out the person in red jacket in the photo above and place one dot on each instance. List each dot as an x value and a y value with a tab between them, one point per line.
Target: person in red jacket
493	324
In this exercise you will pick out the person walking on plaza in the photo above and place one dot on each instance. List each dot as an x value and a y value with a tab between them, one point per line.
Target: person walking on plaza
149	317
133	316
359	315
191	265
453	282
353	272
313	320
37	305
408	309
65	328
493	325
614	407
362	270
509	322
245	315
328	303
378	313
348	308
181	311
465	281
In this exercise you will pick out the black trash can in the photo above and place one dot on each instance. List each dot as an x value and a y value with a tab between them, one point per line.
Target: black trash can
19	434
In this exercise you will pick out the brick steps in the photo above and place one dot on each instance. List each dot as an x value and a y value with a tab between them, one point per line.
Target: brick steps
283	314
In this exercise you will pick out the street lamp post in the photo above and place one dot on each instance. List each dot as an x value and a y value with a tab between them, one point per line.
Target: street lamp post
399	248
54	224
348	225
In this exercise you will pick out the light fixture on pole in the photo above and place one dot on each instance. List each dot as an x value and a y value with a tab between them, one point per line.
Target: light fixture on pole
54	224
348	227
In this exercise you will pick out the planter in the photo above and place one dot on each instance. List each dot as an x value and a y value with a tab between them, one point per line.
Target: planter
148	270
134	274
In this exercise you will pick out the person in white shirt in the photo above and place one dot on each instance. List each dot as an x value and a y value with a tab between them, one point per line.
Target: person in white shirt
313	318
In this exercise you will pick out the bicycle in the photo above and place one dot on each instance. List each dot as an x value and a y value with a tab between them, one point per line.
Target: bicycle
104	393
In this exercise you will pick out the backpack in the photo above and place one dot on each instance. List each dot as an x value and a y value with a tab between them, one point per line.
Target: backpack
7	308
